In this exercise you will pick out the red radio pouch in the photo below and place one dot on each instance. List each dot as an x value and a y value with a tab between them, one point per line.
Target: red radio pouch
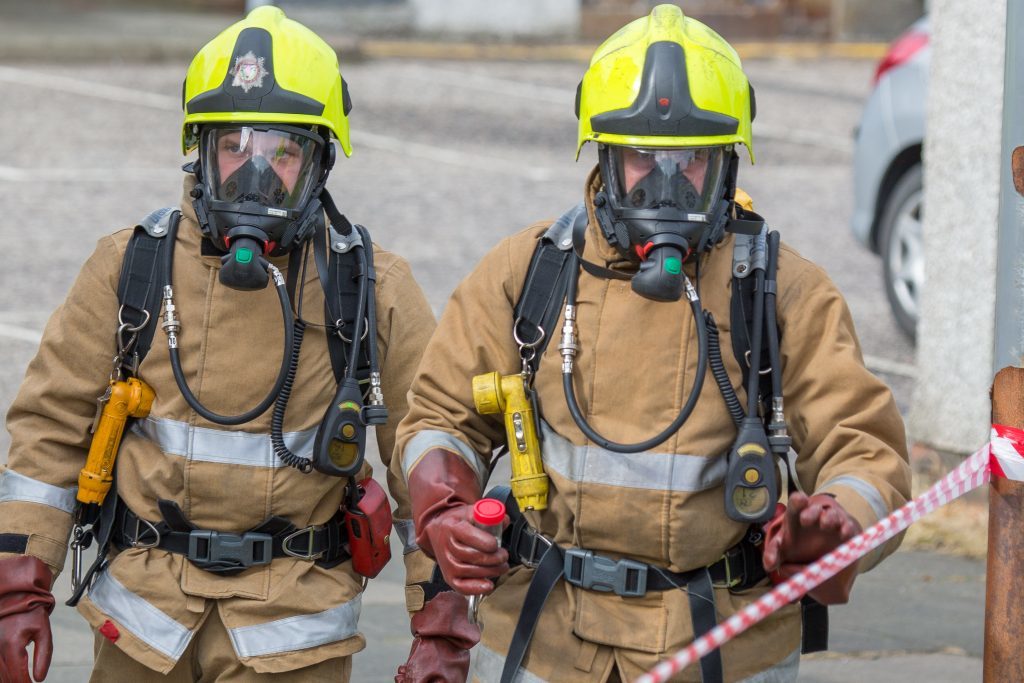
368	522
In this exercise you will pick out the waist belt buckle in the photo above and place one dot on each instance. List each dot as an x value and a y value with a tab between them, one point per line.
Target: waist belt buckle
626	578
217	551
309	555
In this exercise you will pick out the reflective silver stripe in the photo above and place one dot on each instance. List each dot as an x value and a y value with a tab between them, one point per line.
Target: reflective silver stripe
658	471
18	487
407	532
487	666
864	490
145	621
784	672
432	438
217	445
874	499
297	633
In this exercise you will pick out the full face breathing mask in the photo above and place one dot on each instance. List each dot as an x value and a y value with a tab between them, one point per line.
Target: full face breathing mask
659	206
258	194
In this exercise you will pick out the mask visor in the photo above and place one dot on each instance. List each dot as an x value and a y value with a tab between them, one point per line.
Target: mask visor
687	179
276	167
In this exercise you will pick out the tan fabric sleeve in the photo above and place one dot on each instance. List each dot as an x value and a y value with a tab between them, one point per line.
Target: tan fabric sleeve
846	428
473	337
404	325
51	416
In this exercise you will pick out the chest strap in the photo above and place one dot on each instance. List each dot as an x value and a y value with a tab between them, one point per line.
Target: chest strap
229	553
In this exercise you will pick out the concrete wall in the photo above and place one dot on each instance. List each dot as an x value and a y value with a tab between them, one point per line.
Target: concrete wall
503	18
962	174
1009	347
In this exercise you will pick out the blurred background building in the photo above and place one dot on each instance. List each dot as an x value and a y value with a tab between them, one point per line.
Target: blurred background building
586	20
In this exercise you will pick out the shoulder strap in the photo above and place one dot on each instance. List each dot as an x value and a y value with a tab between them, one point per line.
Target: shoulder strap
749	254
139	287
540	300
339	273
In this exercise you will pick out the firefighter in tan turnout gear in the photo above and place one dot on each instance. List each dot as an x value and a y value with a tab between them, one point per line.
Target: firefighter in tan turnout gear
688	354
254	342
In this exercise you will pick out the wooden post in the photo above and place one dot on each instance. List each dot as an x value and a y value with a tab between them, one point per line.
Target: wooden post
1004	612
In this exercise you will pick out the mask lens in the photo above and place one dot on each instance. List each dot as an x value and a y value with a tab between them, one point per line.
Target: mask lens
688	179
271	167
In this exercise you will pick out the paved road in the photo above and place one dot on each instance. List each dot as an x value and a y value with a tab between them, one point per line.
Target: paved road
450	157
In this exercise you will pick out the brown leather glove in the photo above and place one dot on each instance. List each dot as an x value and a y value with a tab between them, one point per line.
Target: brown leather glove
443	488
443	637
804	532
25	606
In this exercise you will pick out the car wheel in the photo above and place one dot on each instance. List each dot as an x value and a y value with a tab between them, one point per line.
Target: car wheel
902	250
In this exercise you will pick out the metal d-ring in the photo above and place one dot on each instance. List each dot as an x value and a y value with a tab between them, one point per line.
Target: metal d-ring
763	371
124	345
309	556
128	327
135	543
527	345
338	324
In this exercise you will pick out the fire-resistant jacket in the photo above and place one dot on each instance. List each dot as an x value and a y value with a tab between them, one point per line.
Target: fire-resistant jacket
634	370
281	616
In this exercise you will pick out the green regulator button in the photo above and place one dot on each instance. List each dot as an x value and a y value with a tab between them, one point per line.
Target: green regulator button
673	265
243	255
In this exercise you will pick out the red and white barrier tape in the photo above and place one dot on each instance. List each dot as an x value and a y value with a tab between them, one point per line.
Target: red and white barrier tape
1003	456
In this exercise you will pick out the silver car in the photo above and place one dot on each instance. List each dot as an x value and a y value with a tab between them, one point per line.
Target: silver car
888	192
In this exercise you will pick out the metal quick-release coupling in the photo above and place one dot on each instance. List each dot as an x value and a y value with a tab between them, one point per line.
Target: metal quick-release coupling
376	395
171	324
568	346
778	423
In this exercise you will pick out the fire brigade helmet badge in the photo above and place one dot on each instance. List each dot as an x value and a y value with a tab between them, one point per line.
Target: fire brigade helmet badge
248	72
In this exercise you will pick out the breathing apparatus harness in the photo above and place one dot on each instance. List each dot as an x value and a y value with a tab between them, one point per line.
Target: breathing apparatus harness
260	232
340	440
550	281
663	242
751	482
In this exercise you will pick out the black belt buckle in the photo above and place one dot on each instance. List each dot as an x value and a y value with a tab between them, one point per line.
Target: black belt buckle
626	578
216	551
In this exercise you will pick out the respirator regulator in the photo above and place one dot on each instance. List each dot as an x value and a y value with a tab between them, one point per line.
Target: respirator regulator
258	194
660	205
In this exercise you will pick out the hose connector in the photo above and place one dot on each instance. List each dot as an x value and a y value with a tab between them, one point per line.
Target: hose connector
275	273
778	423
568	346
171	324
376	395
778	433
691	291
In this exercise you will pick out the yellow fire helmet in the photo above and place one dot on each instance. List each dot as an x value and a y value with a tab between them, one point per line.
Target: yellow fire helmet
266	69
665	80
